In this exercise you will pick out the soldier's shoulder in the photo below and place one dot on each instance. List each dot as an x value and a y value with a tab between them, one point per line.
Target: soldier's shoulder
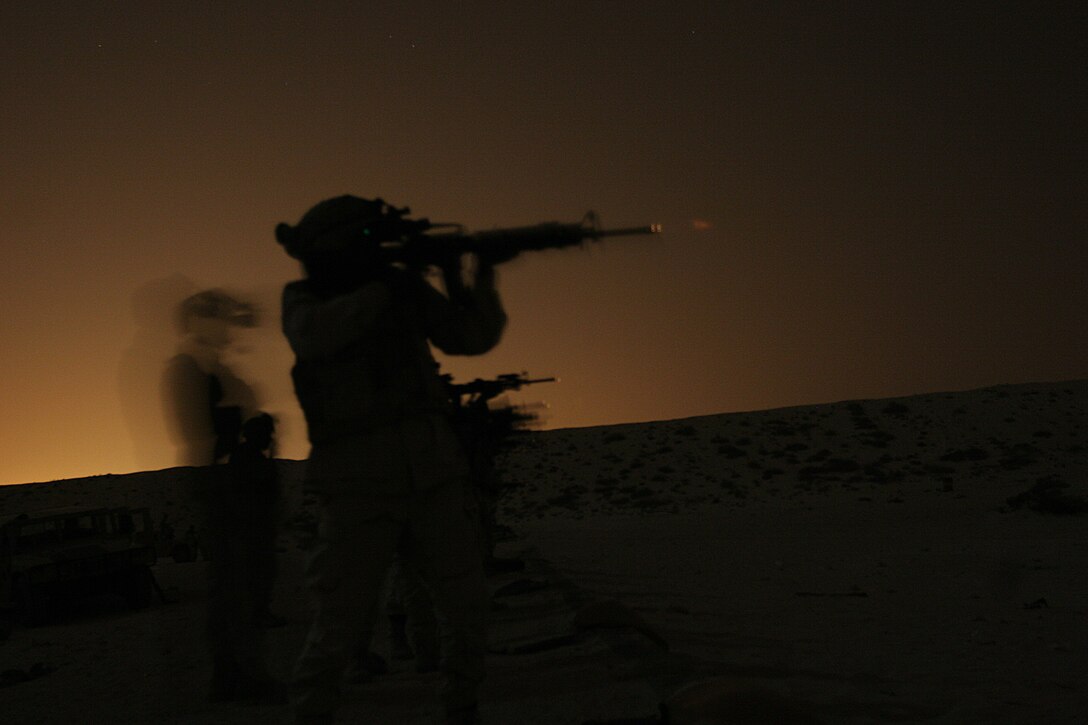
182	364
298	286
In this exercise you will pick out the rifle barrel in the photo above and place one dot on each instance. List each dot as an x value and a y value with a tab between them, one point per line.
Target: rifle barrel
427	248
648	229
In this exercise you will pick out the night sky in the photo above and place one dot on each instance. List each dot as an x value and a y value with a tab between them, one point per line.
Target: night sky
860	199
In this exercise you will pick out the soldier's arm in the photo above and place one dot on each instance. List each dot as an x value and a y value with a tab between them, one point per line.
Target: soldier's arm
470	320
318	328
187	401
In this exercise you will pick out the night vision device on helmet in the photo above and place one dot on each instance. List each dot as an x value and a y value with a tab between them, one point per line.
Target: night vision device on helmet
340	224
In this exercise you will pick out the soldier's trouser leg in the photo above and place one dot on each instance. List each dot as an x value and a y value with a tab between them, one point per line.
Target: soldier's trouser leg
422	625
235	643
356	540
487	504
394	600
444	547
368	621
411	603
262	553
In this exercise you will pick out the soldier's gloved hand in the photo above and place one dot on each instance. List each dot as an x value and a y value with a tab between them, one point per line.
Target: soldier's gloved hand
451	275
449	263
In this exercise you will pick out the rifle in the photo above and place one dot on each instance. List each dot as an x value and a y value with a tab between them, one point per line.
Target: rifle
483	390
407	241
482	427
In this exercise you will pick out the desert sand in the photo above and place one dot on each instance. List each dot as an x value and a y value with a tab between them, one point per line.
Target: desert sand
917	559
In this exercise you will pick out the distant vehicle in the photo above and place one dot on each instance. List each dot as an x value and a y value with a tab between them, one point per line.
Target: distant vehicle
59	557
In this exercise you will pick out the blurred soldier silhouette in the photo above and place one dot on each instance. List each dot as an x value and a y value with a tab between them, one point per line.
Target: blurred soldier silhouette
206	405
154	310
205	400
485	431
386	464
478	427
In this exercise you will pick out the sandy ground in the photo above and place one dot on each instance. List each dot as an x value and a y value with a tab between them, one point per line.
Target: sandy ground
151	666
882	613
856	563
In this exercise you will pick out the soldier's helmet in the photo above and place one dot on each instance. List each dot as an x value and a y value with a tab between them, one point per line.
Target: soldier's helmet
259	428
331	226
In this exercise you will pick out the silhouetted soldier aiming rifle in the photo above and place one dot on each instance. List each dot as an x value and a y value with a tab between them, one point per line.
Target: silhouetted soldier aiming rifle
485	390
484	430
386	466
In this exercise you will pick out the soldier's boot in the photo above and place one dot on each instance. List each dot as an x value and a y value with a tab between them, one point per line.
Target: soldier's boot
399	647
226	675
265	618
501	565
262	689
424	643
427	659
467	715
230	683
308	719
367	667
502	532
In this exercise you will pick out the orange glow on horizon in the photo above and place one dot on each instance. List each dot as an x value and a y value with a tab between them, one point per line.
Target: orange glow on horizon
902	209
